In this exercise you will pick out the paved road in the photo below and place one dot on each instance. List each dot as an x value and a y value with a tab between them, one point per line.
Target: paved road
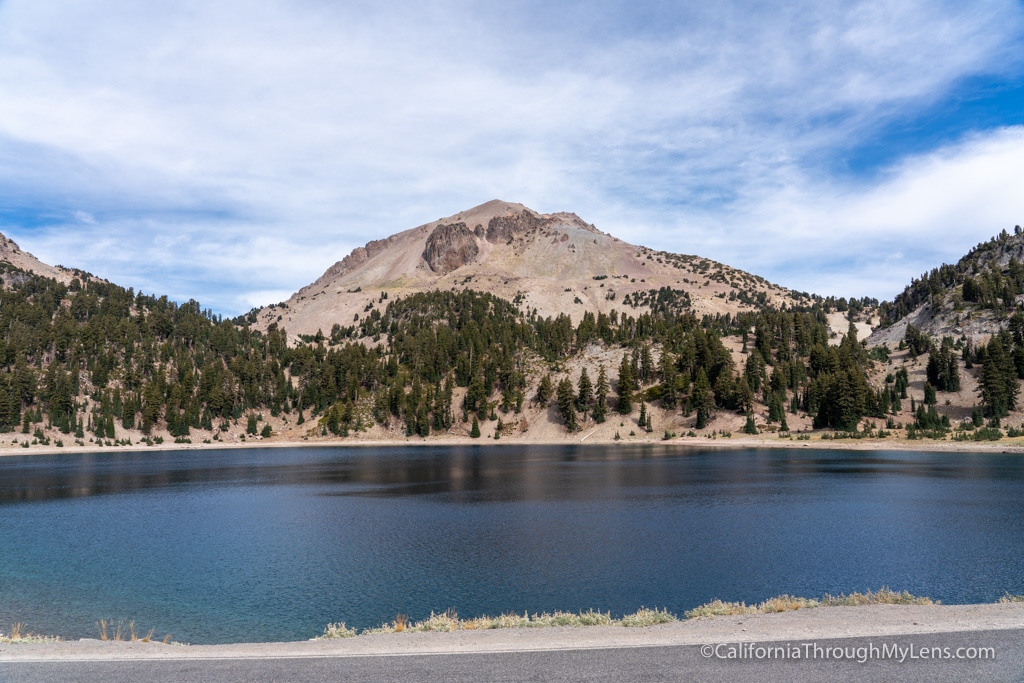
620	664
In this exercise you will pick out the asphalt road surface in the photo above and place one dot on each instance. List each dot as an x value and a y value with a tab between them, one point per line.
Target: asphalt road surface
1004	662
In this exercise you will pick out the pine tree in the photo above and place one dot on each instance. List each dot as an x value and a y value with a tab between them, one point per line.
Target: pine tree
600	396
998	386
585	395
669	377
474	432
646	364
776	412
566	404
750	427
625	388
746	395
544	391
701	399
423	420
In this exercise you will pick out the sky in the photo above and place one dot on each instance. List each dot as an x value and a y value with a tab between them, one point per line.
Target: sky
230	152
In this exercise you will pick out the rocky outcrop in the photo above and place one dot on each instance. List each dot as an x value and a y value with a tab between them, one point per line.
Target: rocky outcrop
501	229
569	219
450	247
8	247
358	256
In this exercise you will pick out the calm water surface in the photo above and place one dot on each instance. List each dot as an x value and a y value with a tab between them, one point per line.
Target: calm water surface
272	544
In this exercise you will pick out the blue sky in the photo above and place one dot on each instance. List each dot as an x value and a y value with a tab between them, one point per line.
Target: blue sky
232	151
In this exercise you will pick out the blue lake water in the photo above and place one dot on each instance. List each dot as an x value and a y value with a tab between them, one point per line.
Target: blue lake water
273	544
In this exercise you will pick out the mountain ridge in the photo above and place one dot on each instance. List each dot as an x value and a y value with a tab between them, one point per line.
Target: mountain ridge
11	253
973	298
551	263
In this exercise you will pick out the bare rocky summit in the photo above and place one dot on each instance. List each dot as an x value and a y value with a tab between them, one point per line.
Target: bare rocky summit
549	263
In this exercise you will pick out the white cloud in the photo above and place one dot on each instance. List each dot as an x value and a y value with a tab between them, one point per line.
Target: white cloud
871	240
230	149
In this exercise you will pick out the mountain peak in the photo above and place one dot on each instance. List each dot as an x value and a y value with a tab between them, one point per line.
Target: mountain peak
552	263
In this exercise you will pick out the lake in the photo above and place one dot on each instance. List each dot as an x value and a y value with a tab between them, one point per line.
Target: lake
273	544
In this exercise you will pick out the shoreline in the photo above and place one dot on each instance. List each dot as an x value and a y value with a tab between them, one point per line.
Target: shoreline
797	625
742	442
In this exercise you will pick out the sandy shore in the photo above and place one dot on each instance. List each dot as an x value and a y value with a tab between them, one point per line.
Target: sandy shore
801	625
1015	445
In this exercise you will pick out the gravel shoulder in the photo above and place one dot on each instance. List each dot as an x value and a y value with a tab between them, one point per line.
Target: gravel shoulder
801	625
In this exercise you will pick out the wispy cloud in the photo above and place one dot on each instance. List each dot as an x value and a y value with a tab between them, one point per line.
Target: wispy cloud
231	151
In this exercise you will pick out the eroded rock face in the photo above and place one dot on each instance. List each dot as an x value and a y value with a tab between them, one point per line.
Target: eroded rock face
501	229
450	247
359	255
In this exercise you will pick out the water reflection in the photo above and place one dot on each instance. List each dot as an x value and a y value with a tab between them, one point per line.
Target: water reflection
481	473
275	543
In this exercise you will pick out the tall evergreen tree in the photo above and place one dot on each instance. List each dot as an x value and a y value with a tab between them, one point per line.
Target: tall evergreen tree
998	387
669	379
646	364
625	387
586	392
600	396
567	404
544	391
701	399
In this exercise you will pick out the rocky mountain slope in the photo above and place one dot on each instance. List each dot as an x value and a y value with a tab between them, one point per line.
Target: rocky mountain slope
552	263
11	253
973	298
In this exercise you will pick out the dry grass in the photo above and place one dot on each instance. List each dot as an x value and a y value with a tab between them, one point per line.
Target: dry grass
109	631
882	596
450	621
339	630
718	608
19	635
788	603
647	617
1008	598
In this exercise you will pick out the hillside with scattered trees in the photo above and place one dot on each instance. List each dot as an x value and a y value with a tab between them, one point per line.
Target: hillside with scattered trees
90	361
85	361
